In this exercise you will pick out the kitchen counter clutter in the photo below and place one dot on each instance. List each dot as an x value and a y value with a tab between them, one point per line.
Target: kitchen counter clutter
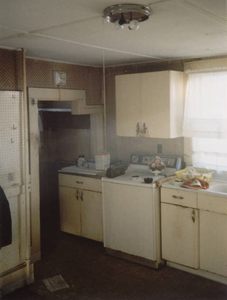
194	226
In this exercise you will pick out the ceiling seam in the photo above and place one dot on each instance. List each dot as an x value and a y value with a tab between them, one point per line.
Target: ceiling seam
205	12
21	33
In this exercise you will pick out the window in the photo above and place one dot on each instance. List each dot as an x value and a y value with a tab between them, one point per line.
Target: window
209	153
205	119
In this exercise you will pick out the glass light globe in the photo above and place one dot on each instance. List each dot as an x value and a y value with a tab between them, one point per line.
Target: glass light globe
118	26
133	25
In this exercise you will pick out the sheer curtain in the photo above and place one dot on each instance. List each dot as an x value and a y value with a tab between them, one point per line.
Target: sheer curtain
205	118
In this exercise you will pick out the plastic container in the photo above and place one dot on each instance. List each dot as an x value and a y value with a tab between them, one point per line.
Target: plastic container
102	161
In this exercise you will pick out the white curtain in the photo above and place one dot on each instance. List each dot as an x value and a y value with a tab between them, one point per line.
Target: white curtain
206	105
209	153
205	119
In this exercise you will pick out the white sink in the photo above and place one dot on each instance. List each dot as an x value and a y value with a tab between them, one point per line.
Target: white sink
219	188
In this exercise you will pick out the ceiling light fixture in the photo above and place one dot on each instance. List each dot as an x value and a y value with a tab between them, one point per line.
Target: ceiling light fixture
127	14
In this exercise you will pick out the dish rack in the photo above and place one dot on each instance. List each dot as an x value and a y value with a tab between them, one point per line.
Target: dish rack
201	174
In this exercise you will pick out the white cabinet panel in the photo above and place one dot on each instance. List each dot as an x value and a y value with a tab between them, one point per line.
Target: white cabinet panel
129	220
213	242
155	104
180	235
212	203
80	182
70	210
128	95
154	99
91	215
179	197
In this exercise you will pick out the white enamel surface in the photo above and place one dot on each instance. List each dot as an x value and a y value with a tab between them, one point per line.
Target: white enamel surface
130	178
131	220
74	31
219	188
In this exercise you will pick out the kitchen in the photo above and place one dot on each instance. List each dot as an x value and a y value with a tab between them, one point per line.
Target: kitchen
40	75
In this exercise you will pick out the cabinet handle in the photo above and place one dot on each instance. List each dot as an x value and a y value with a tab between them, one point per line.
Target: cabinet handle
77	194
81	196
178	197
79	182
193	216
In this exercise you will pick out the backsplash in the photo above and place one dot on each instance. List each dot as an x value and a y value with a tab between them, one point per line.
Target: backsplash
122	147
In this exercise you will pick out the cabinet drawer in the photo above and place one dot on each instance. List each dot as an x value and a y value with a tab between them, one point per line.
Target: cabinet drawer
81	182
179	197
212	203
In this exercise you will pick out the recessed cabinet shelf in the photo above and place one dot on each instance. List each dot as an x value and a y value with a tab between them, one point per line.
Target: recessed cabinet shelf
150	104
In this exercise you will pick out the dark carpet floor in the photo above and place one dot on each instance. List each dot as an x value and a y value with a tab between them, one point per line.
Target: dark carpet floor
92	275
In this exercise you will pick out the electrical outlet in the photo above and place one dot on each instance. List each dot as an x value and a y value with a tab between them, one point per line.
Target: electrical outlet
159	148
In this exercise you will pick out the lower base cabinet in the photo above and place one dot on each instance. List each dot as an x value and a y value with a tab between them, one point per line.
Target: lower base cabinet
213	242
180	235
194	226
81	208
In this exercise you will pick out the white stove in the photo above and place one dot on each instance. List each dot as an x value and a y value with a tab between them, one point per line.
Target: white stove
131	212
138	170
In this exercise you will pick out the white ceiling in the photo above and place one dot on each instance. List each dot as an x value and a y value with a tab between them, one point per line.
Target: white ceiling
74	31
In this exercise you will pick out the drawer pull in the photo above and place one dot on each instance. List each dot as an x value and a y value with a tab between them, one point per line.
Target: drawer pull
79	182
77	194
178	197
81	196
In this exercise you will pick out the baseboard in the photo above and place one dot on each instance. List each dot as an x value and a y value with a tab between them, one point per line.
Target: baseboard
16	278
133	258
205	274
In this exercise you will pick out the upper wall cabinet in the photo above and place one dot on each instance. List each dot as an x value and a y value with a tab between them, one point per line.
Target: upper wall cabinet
150	104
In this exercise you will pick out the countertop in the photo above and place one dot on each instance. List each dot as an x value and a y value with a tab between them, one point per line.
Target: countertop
82	174
169	184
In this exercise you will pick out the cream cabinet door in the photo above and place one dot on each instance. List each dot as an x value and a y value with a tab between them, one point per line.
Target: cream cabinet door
162	103
152	100
213	242
70	210
180	235
91	215
128	96
155	105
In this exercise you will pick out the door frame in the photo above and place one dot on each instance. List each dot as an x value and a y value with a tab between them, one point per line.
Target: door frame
43	94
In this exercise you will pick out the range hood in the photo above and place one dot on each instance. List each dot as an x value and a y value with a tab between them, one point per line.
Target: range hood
63	100
79	107
55	109
55	106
